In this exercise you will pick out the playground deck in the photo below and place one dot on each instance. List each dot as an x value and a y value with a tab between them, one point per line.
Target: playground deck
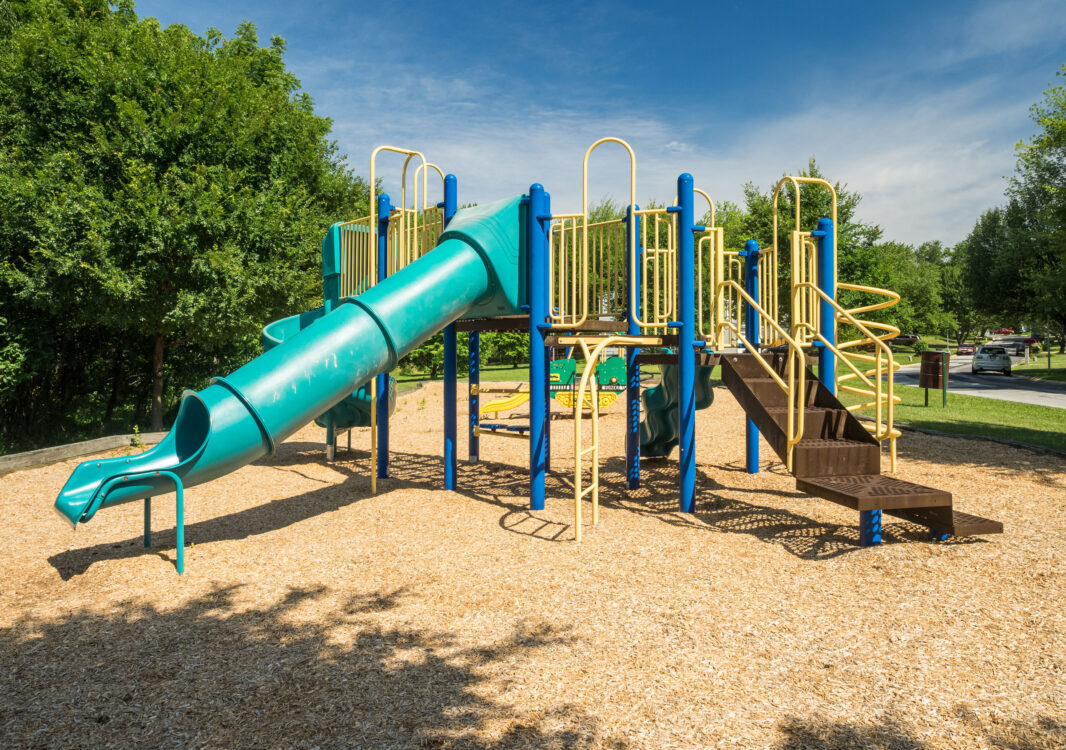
312	613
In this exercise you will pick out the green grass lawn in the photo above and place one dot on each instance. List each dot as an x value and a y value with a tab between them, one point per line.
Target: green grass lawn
488	372
1037	368
972	415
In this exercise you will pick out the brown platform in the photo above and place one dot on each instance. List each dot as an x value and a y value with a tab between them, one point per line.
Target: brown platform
837	459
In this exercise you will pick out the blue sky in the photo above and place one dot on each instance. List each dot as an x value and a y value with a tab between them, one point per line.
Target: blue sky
916	105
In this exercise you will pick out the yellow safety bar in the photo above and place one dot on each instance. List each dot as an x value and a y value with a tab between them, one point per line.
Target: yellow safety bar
768	263
588	389
881	387
795	387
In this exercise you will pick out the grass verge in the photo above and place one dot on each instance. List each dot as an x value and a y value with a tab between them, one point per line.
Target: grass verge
1038	368
986	417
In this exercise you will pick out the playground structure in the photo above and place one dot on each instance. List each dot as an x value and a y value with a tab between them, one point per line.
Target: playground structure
652	280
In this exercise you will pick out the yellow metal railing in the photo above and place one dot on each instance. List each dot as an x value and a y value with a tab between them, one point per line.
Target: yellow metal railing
869	375
582	280
358	253
794	384
588	396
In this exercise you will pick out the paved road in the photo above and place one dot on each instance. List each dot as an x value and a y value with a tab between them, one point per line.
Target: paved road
993	384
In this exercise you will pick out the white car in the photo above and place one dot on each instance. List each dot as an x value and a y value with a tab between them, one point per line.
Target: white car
991	358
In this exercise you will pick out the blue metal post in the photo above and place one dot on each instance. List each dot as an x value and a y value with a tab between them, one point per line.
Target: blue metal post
450	205
147	522
331	291
537	244
751	330
382	386
547	359
473	366
632	368
180	522
686	352
827	365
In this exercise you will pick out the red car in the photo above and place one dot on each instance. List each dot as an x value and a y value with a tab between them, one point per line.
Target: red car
1003	331
1030	341
965	349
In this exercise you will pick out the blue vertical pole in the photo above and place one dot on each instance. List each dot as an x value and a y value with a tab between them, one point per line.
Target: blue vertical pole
547	354
827	365
473	369
450	205
632	368
686	352
751	330
383	379
537	244
148	522
331	292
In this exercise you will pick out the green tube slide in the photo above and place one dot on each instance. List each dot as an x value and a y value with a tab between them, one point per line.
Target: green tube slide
661	428
318	363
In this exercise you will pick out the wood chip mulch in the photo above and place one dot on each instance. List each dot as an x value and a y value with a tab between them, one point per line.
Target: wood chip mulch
313	614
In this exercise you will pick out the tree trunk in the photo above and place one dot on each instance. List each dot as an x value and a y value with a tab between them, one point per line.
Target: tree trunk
116	378
157	384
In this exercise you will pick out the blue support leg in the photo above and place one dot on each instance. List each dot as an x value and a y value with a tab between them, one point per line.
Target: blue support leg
451	354
536	225
633	271
147	522
869	527
450	418
751	329
686	352
382	385
180	525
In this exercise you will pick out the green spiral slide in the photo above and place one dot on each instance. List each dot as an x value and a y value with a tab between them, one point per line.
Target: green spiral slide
317	362
661	428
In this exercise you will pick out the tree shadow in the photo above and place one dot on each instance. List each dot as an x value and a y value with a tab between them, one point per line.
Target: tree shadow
213	672
820	734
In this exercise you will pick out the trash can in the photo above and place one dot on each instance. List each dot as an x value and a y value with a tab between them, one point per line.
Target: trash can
933	367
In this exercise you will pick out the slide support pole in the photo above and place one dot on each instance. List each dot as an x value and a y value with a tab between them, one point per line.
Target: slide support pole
686	352
632	368
537	224
147	522
382	385
331	292
450	205
751	329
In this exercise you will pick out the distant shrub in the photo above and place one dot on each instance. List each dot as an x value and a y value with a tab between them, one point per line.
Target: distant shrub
920	346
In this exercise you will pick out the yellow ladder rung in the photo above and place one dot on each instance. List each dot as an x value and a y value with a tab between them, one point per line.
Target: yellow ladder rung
588	450
589	489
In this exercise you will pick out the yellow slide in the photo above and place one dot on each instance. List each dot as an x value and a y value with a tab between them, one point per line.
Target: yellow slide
505	404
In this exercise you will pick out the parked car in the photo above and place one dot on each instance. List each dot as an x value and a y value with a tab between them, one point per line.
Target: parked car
905	339
1031	341
1003	331
965	349
991	359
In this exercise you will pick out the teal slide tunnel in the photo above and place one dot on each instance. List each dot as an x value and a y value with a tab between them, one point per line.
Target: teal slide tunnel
317	361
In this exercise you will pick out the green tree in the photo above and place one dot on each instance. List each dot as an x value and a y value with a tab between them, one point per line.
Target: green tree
165	196
1038	190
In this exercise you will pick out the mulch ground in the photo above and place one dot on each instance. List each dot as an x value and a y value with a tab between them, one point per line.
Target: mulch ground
313	613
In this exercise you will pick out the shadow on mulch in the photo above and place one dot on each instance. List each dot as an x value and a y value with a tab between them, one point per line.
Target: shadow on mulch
889	734
499	484
210	673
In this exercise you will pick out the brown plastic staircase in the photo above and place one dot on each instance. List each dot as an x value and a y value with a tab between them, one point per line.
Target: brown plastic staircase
836	458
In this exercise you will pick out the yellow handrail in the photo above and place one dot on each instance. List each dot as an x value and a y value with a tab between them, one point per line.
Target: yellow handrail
796	387
884	364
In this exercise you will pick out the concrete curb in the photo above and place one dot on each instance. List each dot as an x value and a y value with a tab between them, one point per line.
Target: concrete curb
45	456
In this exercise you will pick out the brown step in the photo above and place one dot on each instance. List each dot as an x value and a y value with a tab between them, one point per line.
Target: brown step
770	394
949	521
818	457
874	492
818	421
